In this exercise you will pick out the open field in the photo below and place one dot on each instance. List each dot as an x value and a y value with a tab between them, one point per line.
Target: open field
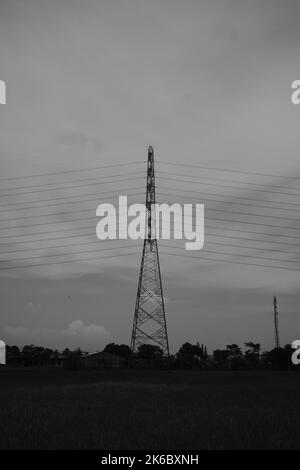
57	409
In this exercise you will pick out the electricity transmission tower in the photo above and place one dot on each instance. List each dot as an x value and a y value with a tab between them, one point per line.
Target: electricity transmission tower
276	323
149	324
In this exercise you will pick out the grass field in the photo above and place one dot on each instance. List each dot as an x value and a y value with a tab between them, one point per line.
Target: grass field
129	410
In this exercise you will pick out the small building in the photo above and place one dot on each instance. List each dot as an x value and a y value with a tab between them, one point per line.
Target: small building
103	360
57	359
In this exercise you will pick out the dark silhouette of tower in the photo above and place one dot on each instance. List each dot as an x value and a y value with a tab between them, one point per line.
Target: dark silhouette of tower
276	323
149	324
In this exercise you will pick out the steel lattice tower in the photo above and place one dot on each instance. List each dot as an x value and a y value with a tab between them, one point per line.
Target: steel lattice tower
149	324
276	323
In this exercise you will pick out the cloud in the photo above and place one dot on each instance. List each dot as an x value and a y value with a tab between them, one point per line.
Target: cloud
77	334
89	332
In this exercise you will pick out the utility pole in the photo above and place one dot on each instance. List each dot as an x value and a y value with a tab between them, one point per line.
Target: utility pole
149	324
276	323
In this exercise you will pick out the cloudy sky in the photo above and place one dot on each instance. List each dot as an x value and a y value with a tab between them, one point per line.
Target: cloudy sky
91	84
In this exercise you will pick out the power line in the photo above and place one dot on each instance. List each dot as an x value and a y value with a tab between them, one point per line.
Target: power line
251	223
62	246
46	239
56	213
221	179
92	218
173	189
254	240
209	209
229	261
246	247
139	174
80	201
80	170
226	186
238	203
49	231
248	231
208	218
71	181
249	214
69	187
244	222
94	258
213	243
138	162
251	231
239	197
113	241
255	248
52	222
68	253
245	231
164	162
239	255
9	204
161	252
128	194
253	215
92	233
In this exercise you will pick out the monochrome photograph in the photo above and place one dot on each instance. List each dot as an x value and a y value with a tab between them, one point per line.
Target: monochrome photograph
149	229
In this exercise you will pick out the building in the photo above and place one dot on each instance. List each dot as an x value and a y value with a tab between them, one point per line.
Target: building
103	360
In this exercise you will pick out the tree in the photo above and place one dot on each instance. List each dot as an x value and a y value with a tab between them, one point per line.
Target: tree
220	355
279	358
234	351
28	354
234	355
124	351
119	349
73	360
252	353
151	355
66	351
189	355
13	355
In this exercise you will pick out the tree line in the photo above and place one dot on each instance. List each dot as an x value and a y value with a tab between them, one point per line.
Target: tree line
189	356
